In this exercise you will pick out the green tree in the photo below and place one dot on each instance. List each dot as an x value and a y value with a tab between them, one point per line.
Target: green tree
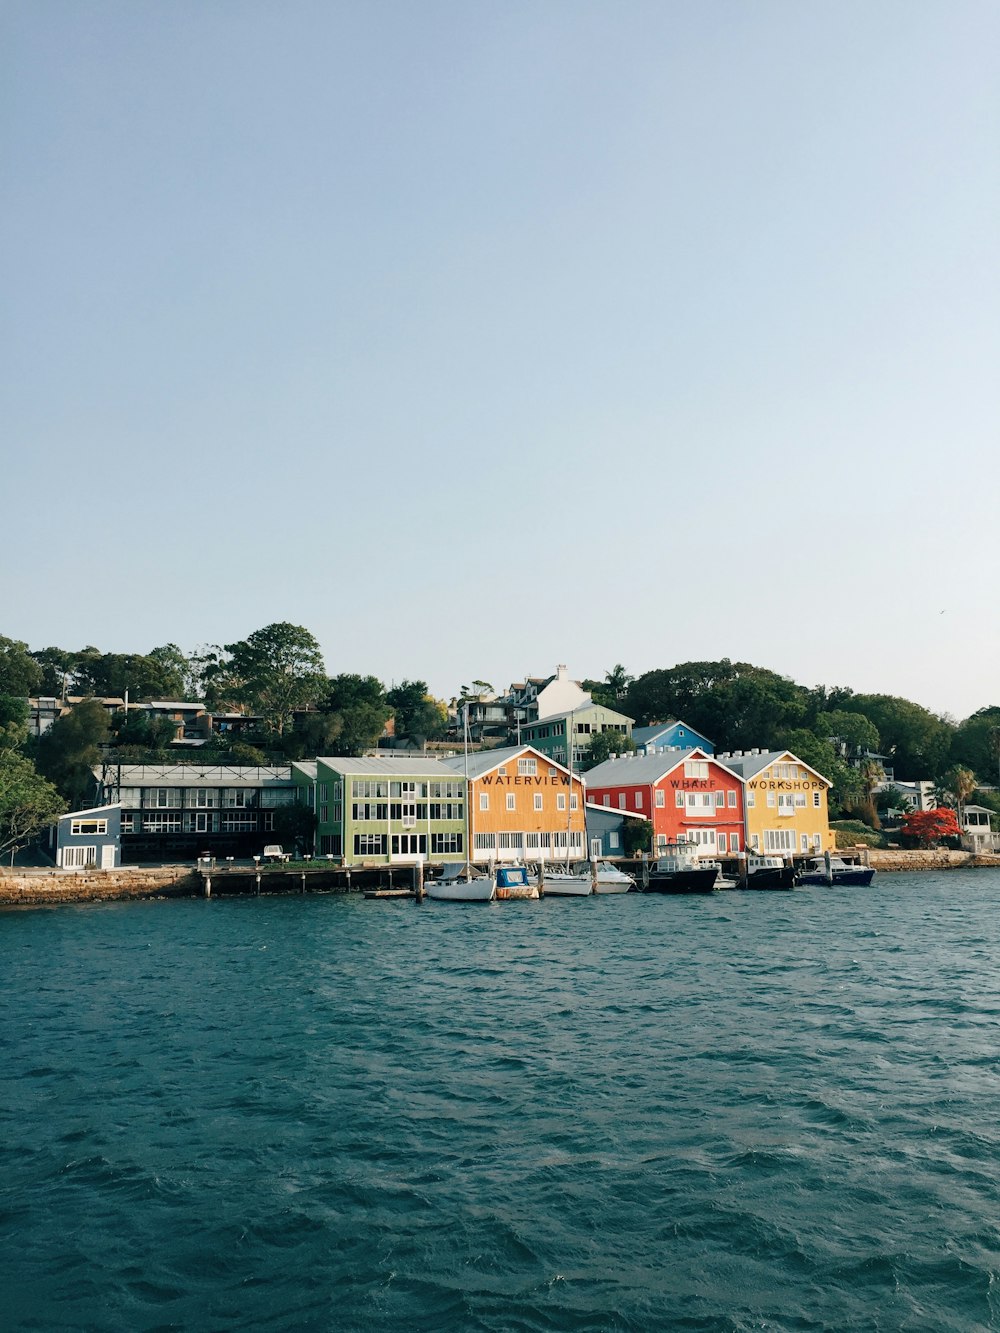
294	825
419	716
179	672
273	672
604	745
853	731
820	754
71	748
637	836
57	672
13	723
141	730
917	741
360	705
313	734
618	680
976	744
20	674
110	675
959	783
28	804
735	704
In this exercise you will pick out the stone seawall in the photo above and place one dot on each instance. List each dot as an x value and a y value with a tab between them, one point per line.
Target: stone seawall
67	886
936	859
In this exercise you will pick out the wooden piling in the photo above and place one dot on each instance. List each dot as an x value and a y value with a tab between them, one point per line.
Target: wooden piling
418	881
541	879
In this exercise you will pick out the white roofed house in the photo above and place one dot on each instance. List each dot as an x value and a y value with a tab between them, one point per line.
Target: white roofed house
977	829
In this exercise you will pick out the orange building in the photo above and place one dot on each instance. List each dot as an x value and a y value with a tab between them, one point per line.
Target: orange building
522	806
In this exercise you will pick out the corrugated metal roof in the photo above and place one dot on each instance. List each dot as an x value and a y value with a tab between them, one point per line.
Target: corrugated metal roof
307	767
419	765
482	761
749	765
637	768
192	775
575	712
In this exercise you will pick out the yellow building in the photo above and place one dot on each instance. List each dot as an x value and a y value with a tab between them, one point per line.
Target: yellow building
522	806
784	801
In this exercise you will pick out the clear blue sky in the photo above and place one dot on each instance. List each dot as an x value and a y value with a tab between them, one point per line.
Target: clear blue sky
481	337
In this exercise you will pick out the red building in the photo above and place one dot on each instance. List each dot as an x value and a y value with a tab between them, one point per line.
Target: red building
685	794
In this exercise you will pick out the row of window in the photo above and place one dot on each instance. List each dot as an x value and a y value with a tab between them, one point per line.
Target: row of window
529	842
399	844
786	802
206	798
206	821
783	840
539	802
367	789
377	812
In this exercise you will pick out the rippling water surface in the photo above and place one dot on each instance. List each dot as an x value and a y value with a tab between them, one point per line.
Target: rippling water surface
746	1111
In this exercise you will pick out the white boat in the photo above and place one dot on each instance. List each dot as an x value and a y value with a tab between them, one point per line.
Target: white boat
839	872
612	880
722	881
460	883
567	883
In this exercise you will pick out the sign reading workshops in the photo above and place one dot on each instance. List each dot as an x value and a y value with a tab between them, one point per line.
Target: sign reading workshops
785	784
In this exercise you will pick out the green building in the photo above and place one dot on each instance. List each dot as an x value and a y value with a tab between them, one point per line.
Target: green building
392	811
549	734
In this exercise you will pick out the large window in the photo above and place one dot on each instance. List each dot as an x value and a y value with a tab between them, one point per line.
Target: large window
444	844
238	821
76	858
695	768
409	844
779	840
162	798
161	823
370	844
237	798
367	812
94	827
527	767
201	798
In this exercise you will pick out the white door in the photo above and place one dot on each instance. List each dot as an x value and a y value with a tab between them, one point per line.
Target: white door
107	857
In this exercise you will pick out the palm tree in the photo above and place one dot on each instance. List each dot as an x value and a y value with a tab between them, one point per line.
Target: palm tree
960	783
618	680
872	776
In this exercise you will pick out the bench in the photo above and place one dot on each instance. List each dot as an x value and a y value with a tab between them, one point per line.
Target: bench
274	852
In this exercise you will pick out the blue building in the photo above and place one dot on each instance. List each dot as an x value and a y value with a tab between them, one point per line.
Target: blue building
670	736
90	839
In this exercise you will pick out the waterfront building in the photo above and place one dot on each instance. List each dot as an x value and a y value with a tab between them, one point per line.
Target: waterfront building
523	806
89	839
183	811
385	810
669	736
606	830
685	794
786	802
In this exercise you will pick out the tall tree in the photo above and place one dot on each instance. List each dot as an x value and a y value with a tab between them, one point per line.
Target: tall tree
273	672
959	783
735	704
20	674
419	716
360	705
976	744
71	748
28	804
917	741
57	672
618	680
604	745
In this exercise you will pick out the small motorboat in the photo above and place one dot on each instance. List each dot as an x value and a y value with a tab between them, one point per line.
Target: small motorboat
769	872
612	880
582	880
514	882
840	872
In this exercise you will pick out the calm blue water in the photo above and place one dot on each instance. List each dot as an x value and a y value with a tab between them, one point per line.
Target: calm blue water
748	1111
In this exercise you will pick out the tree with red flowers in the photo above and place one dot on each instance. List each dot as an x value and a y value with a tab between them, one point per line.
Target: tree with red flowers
929	826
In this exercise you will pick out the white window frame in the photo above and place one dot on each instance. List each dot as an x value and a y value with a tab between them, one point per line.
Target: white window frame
538	800
97	828
511	801
527	767
484	800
